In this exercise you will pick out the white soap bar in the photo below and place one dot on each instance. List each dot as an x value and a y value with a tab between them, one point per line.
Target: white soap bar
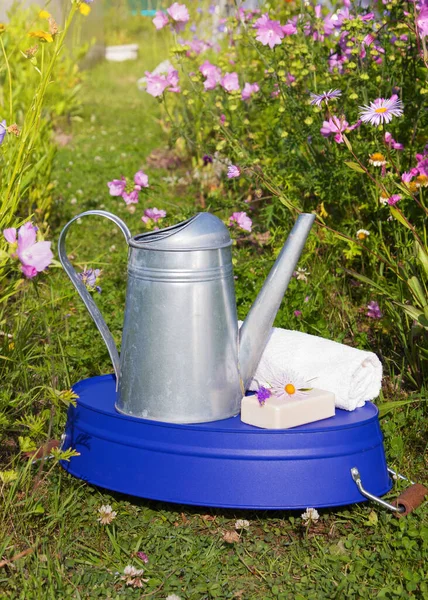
283	414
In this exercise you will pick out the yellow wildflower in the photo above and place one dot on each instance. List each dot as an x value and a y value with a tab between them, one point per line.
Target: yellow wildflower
84	9
43	14
43	36
2	28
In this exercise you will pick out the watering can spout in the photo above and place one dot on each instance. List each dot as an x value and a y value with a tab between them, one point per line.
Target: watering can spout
256	328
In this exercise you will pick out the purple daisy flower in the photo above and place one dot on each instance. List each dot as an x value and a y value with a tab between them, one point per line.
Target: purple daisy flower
382	110
318	99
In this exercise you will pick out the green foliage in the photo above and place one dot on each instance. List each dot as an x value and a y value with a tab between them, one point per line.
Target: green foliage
274	137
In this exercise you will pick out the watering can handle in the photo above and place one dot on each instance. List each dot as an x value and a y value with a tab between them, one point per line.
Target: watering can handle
93	309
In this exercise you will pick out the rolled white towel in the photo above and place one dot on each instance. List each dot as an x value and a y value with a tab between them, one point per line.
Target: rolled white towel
353	375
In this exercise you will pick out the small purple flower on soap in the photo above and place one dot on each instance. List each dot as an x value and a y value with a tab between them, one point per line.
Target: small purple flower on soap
263	394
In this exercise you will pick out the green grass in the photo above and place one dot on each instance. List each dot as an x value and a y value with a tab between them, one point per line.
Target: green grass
355	552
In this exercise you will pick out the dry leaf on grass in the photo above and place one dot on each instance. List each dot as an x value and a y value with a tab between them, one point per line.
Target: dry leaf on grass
231	537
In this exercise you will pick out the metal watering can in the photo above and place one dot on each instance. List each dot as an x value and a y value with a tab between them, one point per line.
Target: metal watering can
183	358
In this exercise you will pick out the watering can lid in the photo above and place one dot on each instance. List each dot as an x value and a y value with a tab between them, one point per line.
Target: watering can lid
204	231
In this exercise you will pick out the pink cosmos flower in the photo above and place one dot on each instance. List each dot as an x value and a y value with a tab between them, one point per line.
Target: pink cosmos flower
178	12
141	179
10	235
230	82
422	22
249	90
160	20
242	220
153	214
381	110
117	186
233	171
334	126
131	198
392	200
34	256
156	84
269	33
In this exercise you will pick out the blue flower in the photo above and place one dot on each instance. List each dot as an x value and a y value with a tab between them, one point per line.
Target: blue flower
3	128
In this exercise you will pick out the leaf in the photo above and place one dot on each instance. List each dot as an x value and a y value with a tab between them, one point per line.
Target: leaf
417	290
397	215
370	282
422	256
354	166
231	537
347	143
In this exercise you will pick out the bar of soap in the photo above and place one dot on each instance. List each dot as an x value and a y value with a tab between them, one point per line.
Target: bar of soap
283	414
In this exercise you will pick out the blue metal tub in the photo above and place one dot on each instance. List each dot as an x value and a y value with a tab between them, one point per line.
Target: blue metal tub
224	463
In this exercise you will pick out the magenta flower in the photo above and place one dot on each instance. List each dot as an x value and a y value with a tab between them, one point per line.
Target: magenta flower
10	235
422	22
392	200
3	129
289	29
156	84
143	556
233	171
249	90
230	82
407	177
318	99
269	33
381	110
160	20
172	79
297	313
141	179
178	12
334	126
117	186
34	256
131	198
153	214
373	310
242	220
212	74
336	61
290	78
389	141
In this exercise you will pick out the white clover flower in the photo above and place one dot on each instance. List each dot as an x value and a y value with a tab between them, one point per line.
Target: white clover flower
107	514
310	515
242	524
133	576
173	597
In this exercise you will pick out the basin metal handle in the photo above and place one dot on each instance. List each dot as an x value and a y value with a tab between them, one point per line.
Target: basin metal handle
357	478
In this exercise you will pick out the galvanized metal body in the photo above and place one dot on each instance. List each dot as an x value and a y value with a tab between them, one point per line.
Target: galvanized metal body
182	360
180	336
